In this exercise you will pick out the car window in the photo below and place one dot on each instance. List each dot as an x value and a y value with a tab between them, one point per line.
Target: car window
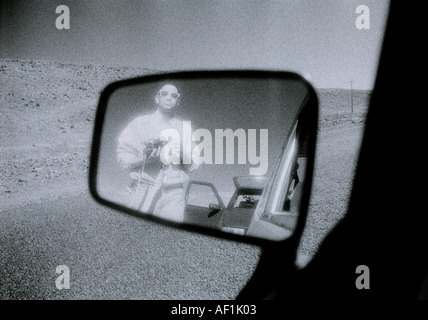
201	196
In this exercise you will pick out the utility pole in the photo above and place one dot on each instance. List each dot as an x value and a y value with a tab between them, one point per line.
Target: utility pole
352	99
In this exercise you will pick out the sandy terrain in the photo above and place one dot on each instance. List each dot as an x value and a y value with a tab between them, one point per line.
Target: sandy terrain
46	121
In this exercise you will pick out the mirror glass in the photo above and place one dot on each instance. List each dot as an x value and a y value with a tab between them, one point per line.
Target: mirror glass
223	152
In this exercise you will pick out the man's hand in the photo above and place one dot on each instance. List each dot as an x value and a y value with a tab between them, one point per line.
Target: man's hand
154	155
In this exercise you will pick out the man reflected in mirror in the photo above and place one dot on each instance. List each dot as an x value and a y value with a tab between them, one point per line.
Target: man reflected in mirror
157	186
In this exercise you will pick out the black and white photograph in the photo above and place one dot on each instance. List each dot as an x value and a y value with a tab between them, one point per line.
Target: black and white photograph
192	150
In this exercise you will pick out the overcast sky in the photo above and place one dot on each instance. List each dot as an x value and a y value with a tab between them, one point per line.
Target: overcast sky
319	38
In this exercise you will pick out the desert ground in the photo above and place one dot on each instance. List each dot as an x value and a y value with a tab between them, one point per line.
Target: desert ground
47	217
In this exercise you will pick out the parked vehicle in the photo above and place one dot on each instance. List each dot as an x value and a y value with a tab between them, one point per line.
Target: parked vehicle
237	215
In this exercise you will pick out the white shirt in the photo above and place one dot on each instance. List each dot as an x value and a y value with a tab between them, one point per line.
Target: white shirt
132	144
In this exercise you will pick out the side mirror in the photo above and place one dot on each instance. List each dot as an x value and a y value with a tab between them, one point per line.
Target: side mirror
175	147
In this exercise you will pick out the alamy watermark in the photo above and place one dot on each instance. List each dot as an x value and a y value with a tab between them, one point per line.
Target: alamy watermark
63	20
363	20
361	23
179	151
363	280
63	281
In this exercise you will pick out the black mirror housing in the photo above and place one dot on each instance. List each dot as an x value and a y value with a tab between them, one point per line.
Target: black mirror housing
247	104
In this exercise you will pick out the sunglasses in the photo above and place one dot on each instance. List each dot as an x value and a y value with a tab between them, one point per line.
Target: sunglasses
165	93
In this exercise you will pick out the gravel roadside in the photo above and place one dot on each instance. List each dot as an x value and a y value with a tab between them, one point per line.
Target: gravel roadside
48	217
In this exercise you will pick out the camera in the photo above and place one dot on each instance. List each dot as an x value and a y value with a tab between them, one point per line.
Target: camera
153	144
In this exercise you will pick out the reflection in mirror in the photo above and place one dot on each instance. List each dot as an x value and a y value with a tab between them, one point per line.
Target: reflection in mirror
221	152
